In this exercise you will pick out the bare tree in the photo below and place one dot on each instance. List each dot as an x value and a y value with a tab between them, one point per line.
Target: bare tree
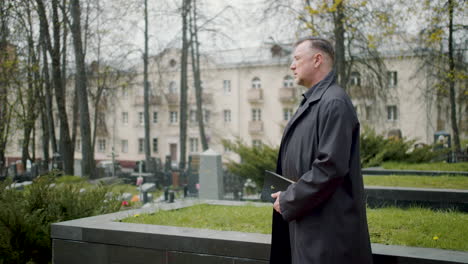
8	68
195	53
184	83
66	147
351	24
146	92
443	42
88	165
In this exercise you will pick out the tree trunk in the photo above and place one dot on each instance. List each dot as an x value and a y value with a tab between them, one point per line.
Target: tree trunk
87	165
146	95
196	74
5	108
65	141
340	62
183	85
49	126
33	77
451	80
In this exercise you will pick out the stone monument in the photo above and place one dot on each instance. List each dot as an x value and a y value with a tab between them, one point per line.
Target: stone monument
211	176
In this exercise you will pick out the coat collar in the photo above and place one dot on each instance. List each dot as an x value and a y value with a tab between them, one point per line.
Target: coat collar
315	93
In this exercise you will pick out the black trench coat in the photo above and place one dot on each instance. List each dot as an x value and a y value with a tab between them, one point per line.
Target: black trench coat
323	218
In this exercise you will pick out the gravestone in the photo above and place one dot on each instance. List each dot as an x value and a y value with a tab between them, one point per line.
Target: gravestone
145	188
126	196
211	176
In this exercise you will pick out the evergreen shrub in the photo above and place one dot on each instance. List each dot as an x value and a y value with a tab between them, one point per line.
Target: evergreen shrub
26	215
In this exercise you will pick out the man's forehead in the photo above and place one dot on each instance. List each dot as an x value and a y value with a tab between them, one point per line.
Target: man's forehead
302	48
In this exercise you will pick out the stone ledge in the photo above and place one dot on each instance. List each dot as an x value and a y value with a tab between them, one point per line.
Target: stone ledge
374	171
379	196
101	235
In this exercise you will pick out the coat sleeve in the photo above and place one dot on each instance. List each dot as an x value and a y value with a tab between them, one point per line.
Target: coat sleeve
336	124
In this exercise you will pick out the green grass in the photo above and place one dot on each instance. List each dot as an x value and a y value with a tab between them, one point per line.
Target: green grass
436	166
226	218
418	227
408	227
444	182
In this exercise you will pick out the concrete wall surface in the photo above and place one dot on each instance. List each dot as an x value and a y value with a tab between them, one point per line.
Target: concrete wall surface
102	239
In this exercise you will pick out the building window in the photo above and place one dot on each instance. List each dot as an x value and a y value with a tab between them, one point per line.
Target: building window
124	145
124	91
227	86
173	117
101	119
355	79
155	117
141	145
207	116
101	145
227	116
78	145
125	117
193	116
256	143
287	113
256	83
172	63
155	145
193	144
392	78
368	112
392	114
20	145
172	87
57	120
141	119
288	82
256	114
227	149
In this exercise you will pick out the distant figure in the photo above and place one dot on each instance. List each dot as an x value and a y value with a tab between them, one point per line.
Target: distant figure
320	219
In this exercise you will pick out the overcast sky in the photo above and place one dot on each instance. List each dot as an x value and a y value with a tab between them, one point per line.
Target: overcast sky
237	24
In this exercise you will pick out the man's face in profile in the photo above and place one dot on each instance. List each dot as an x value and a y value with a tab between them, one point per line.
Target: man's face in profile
303	64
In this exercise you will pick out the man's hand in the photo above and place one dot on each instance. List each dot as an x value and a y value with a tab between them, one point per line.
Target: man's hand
276	205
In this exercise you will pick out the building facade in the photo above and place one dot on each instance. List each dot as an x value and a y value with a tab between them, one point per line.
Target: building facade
250	94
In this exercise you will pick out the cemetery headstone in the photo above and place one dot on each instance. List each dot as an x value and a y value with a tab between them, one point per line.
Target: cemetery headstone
145	188
211	176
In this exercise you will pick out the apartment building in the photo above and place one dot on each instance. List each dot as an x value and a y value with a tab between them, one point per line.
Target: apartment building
250	94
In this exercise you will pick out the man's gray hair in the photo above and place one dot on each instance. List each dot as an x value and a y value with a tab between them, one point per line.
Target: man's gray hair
320	44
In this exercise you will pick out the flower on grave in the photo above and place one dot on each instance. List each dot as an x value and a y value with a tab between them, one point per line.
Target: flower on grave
435	238
135	198
125	203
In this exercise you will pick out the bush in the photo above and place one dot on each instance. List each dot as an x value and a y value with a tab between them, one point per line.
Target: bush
254	161
26	215
375	149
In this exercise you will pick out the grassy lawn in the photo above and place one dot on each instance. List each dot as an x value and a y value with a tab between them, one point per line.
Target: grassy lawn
416	227
444	182
437	166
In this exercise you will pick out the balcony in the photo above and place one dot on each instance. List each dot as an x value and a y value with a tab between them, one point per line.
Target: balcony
153	100
287	95
255	95
255	127
207	99
172	99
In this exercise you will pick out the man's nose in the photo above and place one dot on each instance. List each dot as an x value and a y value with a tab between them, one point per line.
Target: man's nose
292	66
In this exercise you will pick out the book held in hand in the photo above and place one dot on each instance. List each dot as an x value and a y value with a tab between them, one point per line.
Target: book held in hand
273	183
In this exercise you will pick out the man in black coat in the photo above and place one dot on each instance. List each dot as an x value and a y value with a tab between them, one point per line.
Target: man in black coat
320	219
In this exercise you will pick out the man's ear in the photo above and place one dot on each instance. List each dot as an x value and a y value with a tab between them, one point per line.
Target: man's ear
318	59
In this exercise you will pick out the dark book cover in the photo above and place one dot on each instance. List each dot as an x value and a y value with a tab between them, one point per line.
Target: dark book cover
273	183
